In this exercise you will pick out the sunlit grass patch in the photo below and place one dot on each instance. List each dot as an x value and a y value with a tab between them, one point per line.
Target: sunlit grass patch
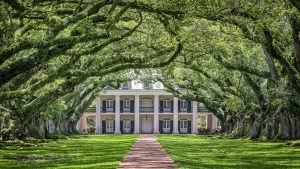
194	151
91	151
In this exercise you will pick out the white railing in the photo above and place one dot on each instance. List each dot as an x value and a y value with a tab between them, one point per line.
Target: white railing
146	109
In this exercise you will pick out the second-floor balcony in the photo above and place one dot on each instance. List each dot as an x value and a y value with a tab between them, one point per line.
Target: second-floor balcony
107	109
127	109
166	110
146	109
185	109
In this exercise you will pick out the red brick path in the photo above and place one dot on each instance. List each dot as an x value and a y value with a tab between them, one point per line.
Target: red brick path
147	153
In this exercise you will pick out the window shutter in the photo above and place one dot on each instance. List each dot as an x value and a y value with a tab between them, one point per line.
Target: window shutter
121	126
114	106
121	105
178	106
104	106
131	106
189	109
171	126
172	105
161	104
132	126
189	126
114	125
179	126
103	126
161	126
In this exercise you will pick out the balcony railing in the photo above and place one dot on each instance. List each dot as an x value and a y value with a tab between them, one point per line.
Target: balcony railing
107	109
185	109
146	109
165	110
127	109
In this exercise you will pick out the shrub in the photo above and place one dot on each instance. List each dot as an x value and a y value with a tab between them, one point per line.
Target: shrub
203	131
217	130
91	129
55	135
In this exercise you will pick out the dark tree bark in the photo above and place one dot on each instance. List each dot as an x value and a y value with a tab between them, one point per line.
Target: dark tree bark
274	53
255	129
296	41
285	127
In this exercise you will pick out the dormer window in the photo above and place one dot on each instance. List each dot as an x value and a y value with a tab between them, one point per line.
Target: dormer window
146	85
125	85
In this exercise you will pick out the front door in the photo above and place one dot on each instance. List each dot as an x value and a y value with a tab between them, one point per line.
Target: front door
183	126
109	126
146	126
166	126
126	126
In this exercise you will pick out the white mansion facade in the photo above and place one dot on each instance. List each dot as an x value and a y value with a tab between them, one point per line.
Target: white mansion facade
144	108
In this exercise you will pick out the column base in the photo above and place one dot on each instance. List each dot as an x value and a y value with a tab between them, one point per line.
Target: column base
194	132
136	132
156	132
175	132
117	132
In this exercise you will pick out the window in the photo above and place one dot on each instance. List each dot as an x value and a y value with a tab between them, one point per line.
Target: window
126	103
126	124
109	124
183	124
167	103
183	103
146	85
146	102
109	103
125	85
166	124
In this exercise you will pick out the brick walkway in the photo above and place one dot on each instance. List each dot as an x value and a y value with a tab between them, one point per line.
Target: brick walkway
147	153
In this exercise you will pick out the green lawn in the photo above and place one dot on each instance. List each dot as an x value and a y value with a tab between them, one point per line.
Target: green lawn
192	151
188	151
91	151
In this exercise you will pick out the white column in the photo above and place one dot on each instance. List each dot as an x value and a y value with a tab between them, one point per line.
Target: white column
195	118
98	115
136	114
175	115
156	114
117	115
214	124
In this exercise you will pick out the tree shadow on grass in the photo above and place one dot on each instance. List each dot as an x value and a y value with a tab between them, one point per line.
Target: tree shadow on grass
190	151
97	151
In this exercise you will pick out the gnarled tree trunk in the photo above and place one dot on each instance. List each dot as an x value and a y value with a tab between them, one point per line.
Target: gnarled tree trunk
255	130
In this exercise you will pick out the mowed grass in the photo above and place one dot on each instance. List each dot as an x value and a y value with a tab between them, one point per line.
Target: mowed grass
201	152
90	151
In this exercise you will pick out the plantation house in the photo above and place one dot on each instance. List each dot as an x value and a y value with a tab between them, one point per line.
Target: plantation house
144	108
